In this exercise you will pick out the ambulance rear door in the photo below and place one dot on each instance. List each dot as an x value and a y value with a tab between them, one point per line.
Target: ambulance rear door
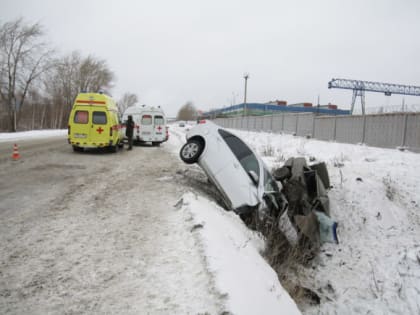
159	128
100	130
146	127
80	126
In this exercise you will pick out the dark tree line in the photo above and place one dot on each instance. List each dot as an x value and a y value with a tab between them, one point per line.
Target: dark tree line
37	87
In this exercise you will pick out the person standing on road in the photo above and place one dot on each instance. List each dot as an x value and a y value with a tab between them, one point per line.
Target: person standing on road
129	131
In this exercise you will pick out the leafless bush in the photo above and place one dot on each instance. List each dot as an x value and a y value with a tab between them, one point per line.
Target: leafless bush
301	150
280	158
268	150
338	161
285	259
390	190
283	256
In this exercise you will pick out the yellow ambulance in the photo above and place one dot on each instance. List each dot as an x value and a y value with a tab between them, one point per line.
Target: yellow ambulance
94	123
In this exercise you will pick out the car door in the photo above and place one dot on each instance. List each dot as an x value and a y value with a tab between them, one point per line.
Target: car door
234	176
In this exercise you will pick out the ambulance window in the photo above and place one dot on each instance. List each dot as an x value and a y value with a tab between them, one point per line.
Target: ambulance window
81	117
158	120
146	120
99	118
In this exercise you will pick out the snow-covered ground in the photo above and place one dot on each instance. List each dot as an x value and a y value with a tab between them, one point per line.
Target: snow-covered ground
375	199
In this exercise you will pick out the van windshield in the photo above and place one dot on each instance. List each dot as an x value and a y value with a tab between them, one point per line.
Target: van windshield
159	120
99	118
146	120
81	117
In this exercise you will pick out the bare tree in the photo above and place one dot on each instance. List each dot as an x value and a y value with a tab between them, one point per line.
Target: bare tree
95	75
187	112
127	100
24	57
62	87
71	75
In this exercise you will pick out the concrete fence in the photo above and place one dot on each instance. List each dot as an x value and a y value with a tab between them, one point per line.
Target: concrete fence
381	130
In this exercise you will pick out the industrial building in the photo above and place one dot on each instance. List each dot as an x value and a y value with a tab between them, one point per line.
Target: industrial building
272	107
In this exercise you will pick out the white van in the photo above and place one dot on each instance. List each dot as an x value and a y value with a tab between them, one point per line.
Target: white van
150	124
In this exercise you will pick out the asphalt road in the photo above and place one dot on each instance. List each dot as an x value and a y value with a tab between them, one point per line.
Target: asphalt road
97	232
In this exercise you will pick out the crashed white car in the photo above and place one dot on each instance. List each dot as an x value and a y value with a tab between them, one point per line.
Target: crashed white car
240	175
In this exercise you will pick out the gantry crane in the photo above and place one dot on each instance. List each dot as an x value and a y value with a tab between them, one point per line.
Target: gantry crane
359	88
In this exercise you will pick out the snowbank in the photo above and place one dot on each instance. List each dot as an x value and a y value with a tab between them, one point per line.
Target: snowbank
233	255
25	135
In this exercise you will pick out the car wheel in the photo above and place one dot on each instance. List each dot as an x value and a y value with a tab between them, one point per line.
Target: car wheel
191	151
113	148
77	149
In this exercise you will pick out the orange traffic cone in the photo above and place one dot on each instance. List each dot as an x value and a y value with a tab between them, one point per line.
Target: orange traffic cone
15	155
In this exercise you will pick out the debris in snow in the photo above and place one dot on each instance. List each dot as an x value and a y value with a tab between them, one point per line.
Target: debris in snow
305	190
370	159
197	226
179	203
295	236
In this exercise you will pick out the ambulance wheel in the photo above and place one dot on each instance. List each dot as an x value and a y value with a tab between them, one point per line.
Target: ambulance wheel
77	149
113	148
156	144
191	151
121	145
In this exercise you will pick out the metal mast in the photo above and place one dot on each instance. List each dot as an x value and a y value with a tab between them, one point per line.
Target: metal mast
359	88
246	76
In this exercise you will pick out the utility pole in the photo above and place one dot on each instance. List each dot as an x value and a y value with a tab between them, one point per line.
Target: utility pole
317	107
246	76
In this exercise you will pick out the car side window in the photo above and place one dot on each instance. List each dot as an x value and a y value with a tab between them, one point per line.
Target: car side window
242	152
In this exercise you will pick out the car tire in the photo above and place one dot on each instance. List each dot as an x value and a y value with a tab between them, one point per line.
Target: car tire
191	151
77	149
113	148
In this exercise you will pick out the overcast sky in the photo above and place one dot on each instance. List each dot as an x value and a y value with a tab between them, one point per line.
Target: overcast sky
169	52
